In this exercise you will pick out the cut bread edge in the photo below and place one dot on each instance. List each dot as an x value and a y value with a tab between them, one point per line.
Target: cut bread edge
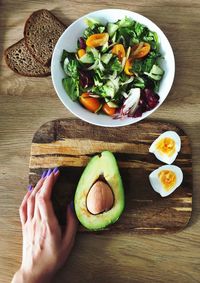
26	27
28	58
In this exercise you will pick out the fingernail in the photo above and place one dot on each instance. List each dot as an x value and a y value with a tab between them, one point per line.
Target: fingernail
29	188
55	170
44	174
48	172
72	206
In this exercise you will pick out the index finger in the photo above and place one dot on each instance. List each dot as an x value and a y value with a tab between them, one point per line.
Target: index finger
49	182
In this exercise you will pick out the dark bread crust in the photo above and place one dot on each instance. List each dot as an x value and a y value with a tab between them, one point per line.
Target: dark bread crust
41	32
20	60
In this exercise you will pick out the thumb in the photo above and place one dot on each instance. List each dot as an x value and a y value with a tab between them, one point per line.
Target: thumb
71	229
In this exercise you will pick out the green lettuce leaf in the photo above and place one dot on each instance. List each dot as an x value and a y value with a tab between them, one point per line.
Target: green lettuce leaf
71	87
114	65
66	54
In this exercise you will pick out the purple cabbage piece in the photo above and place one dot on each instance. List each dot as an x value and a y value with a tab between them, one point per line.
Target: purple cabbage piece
148	101
138	112
152	98
82	43
85	79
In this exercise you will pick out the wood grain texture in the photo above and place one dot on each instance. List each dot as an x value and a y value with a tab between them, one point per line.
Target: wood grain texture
69	144
27	103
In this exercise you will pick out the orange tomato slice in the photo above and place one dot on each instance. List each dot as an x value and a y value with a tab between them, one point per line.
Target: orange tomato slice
108	110
140	50
81	52
98	39
119	50
128	66
90	103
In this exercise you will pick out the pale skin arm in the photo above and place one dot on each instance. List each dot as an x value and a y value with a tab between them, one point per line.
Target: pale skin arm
45	246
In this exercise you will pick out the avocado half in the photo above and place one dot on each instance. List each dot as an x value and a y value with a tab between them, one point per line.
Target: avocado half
103	166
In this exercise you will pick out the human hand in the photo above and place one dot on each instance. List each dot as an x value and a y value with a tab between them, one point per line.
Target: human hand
45	247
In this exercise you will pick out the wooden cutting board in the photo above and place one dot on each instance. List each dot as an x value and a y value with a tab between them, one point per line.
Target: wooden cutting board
70	143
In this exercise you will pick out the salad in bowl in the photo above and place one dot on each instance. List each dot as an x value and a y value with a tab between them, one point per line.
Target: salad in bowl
116	69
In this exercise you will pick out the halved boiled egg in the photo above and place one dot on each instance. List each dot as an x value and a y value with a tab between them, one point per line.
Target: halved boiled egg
166	179
166	147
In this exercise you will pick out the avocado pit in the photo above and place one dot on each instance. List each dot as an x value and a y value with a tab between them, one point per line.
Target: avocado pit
100	198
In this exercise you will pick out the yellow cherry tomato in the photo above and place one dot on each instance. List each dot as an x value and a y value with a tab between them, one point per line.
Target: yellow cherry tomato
98	39
90	103
128	66
81	52
140	50
119	50
108	110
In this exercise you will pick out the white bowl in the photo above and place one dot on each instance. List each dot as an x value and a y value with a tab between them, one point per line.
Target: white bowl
68	41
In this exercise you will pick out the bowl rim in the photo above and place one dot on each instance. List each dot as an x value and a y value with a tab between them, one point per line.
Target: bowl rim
128	120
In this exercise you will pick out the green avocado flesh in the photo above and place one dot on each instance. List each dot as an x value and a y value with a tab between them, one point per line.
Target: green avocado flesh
100	165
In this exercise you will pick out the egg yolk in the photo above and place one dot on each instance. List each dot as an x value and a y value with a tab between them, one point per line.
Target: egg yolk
167	179
166	146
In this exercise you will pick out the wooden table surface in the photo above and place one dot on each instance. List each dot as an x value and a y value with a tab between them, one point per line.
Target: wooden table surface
27	103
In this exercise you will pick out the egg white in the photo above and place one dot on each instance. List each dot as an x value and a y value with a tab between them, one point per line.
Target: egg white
156	183
162	156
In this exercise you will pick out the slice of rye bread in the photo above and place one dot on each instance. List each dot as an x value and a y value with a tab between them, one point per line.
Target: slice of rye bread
41	32
20	60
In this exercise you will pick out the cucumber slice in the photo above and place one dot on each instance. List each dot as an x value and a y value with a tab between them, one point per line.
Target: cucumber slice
156	70
156	73
87	59
101	29
104	47
95	53
105	58
114	37
108	91
91	22
112	29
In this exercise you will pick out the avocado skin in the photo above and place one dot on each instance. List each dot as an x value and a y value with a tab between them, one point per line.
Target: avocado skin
105	165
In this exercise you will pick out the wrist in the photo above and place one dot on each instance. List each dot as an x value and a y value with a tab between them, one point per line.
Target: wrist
18	277
23	277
